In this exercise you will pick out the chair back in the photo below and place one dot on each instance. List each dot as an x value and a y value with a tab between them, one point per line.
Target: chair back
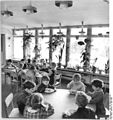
9	104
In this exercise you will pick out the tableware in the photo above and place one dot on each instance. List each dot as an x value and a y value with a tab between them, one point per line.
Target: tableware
49	90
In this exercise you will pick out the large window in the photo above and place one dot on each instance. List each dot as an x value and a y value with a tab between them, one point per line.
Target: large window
18	48
44	47
57	52
75	52
31	48
100	47
99	50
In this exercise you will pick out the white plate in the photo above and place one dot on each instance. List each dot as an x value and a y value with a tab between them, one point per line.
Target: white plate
49	90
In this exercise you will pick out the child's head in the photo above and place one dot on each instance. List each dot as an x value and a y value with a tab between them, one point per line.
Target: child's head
22	60
81	99
76	77
34	62
28	86
29	60
45	80
9	62
97	84
36	100
53	65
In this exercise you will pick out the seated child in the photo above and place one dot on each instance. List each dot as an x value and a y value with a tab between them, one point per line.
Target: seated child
76	84
44	84
23	96
51	73
82	112
97	97
37	108
9	64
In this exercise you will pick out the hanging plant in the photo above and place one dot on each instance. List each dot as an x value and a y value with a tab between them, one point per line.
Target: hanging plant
27	39
57	40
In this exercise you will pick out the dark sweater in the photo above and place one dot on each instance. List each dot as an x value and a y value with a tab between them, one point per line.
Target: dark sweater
21	101
51	82
97	99
81	113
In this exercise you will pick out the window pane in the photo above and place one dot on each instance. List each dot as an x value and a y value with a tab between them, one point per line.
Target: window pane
75	31
43	43
56	53
18	33
98	30
18	48
100	50
32	32
75	52
63	30
31	50
45	31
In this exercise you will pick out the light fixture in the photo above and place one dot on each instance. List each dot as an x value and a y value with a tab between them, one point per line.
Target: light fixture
63	3
82	31
107	1
59	29
29	9
6	13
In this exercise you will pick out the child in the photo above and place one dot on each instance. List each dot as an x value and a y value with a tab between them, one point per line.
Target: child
24	65
36	108
45	84
97	97
82	112
76	84
23	96
52	73
10	64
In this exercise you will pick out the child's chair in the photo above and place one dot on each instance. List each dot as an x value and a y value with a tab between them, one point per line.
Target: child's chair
57	80
11	112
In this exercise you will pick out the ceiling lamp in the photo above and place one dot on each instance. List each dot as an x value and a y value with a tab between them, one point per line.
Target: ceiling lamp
29	9
63	4
6	13
107	1
82	31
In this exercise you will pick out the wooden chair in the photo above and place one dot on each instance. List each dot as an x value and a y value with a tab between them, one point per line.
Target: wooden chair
11	112
57	80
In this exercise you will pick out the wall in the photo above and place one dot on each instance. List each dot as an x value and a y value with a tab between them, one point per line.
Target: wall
7	53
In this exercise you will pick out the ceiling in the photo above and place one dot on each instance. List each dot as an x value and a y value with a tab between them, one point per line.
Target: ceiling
89	11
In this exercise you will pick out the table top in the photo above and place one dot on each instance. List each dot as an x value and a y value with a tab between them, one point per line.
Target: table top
61	100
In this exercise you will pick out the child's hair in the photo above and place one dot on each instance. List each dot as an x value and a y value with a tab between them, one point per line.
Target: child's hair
34	61
36	100
53	64
28	60
32	67
81	99
77	75
97	83
45	78
9	60
22	60
28	85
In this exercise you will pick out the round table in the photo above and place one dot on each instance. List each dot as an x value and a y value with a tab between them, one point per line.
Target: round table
61	100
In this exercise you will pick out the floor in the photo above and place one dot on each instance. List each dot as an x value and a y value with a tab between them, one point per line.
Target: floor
6	89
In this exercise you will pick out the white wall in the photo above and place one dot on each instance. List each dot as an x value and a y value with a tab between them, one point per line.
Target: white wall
8	52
